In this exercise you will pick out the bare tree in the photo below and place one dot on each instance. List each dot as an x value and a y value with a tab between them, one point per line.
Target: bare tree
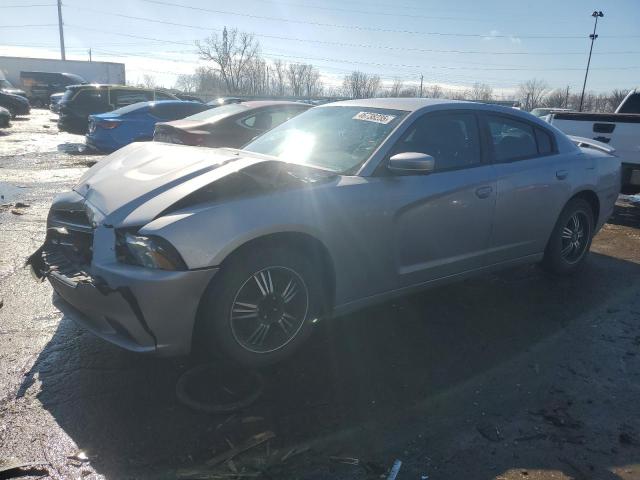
435	91
187	82
532	93
232	54
556	98
149	81
361	85
279	78
481	92
312	83
615	98
296	73
396	88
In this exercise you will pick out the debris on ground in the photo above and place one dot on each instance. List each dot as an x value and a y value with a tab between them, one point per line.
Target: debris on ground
17	212
345	460
293	452
21	205
558	417
627	436
9	464
78	458
490	432
252	442
395	469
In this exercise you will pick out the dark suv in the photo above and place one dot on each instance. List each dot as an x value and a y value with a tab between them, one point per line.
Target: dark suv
80	101
40	85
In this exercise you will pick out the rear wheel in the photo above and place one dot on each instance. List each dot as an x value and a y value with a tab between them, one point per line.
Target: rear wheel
260	307
571	238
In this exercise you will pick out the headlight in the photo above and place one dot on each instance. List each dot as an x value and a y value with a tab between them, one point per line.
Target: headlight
148	251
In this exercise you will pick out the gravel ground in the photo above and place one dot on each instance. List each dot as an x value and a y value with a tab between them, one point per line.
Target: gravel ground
514	375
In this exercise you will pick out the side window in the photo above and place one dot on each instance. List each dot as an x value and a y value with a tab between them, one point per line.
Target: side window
91	96
452	139
632	105
122	98
512	139
545	145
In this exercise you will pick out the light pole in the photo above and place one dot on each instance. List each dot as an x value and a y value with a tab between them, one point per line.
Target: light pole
61	31
596	14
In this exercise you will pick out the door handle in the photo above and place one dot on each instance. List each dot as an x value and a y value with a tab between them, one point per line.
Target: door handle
484	192
562	174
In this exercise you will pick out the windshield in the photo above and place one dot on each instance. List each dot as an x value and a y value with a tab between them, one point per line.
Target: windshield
334	138
218	113
5	84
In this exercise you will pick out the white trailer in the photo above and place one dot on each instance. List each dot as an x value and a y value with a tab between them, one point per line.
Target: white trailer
92	72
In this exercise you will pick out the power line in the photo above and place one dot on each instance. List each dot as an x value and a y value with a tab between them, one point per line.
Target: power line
364	28
30	25
29	5
343	44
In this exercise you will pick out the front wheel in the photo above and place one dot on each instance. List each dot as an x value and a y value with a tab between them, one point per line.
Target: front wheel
571	238
260	307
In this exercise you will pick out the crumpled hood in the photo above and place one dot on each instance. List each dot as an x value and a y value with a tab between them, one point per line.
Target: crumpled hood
139	181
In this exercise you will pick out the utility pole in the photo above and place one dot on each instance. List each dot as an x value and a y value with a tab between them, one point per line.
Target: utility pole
566	98
596	14
62	52
89	54
421	79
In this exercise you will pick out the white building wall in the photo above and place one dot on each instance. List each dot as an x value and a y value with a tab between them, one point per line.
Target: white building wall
93	72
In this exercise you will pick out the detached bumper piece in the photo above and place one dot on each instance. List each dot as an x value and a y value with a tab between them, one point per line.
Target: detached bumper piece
110	313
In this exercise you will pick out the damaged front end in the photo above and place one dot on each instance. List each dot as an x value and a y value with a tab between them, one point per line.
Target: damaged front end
137	308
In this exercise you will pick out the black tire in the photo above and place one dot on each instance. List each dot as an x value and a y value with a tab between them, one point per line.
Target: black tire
218	331
560	257
12	112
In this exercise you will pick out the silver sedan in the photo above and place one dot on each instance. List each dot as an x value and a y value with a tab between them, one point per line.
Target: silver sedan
167	248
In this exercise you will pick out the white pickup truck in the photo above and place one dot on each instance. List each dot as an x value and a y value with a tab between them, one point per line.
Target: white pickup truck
620	130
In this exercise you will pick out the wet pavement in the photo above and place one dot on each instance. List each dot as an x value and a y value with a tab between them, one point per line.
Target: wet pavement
513	375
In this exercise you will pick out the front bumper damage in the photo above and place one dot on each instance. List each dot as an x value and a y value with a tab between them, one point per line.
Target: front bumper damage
137	308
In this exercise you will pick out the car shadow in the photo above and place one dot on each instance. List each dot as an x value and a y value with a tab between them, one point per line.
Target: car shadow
122	410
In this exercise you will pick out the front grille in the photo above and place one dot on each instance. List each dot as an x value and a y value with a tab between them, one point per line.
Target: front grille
71	219
68	249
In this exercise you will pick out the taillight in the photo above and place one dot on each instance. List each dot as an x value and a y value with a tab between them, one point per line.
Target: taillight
107	124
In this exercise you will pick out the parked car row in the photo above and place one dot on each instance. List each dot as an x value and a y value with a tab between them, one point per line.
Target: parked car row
16	104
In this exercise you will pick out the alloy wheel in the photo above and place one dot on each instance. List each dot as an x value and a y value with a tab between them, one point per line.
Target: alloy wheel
269	309
575	237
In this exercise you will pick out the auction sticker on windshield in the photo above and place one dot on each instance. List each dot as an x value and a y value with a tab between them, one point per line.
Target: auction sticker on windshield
374	117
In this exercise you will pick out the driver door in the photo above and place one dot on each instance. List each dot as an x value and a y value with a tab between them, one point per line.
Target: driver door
443	219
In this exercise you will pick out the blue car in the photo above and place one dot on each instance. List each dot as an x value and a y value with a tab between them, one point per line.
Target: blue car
135	123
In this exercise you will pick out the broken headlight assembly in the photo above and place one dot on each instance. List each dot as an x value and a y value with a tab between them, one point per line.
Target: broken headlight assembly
147	251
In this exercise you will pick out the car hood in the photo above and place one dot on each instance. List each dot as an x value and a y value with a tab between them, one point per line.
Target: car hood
137	183
15	91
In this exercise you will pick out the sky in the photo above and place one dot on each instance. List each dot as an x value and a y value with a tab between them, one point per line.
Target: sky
452	43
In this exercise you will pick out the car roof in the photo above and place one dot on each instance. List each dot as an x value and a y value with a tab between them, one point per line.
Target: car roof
407	104
269	103
114	86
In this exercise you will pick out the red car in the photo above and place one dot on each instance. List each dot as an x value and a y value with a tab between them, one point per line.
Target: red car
232	125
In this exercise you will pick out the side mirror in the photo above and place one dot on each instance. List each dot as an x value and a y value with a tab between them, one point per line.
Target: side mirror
411	162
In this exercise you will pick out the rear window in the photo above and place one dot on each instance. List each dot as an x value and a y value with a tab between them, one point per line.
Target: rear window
218	113
89	95
176	110
130	108
632	105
